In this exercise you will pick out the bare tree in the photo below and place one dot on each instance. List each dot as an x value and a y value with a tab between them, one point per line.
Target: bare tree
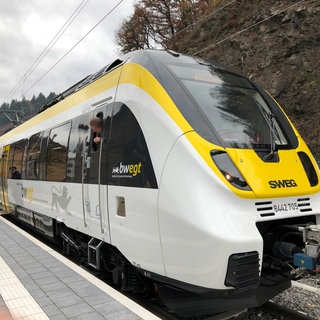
154	23
134	33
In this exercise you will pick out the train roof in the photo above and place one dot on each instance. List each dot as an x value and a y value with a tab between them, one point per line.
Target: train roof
150	59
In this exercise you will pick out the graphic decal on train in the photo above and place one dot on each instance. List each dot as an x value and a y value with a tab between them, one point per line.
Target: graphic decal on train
60	198
27	193
126	170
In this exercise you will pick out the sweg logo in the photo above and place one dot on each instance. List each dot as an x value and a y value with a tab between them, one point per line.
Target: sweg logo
124	169
282	184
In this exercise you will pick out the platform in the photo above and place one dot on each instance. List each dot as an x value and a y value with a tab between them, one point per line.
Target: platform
37	283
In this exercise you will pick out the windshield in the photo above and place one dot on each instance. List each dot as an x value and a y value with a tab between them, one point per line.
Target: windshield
237	113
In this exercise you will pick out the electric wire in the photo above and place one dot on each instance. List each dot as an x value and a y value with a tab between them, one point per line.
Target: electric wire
74	46
246	29
47	49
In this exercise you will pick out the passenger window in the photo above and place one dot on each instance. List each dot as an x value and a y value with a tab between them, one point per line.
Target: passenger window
77	143
57	152
17	159
33	156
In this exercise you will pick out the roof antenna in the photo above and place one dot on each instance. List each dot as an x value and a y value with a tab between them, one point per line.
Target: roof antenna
173	53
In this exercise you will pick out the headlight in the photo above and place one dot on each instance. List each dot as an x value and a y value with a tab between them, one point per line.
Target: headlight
229	170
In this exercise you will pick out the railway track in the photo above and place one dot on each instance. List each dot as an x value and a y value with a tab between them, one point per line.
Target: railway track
285	312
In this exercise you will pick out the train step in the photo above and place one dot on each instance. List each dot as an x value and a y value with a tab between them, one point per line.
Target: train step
94	247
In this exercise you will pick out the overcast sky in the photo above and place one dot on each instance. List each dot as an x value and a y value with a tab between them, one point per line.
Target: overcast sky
28	26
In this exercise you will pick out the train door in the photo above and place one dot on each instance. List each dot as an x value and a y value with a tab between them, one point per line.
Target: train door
95	197
4	178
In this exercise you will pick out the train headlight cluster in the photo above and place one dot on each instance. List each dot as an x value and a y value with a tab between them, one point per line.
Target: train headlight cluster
228	169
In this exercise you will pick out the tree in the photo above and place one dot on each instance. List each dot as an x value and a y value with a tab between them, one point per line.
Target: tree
134	33
151	25
40	100
155	23
5	106
163	18
27	107
51	96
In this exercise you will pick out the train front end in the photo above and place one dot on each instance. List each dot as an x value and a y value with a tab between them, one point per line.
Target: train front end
239	201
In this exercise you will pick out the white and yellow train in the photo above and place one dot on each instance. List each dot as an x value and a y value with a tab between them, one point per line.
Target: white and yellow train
200	189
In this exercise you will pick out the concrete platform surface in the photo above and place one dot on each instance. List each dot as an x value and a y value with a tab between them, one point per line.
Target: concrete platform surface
37	283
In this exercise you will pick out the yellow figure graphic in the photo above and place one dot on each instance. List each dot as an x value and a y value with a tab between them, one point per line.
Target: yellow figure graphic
29	194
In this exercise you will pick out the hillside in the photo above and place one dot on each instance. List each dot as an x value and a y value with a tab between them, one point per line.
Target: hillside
276	44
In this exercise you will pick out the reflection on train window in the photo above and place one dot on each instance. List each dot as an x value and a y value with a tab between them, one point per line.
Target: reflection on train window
208	74
235	111
33	157
57	153
239	115
17	158
77	144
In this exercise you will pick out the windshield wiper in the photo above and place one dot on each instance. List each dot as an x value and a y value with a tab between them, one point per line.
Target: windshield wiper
270	118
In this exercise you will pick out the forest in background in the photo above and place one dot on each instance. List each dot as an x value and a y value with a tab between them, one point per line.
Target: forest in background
25	108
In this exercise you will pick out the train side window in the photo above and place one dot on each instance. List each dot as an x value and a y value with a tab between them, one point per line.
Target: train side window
17	159
10	161
57	152
77	144
33	157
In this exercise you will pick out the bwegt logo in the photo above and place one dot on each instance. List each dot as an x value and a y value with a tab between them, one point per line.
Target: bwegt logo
127	169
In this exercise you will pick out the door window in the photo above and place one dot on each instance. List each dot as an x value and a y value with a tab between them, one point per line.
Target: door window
57	152
33	157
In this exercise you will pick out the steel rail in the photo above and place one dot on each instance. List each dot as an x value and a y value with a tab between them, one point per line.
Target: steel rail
285	312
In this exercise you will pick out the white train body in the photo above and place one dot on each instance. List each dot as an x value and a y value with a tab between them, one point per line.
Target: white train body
163	199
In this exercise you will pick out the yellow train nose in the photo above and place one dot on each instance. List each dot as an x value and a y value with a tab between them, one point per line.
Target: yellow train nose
286	177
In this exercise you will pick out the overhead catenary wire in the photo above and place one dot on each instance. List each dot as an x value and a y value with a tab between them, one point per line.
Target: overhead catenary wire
246	29
47	49
74	46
